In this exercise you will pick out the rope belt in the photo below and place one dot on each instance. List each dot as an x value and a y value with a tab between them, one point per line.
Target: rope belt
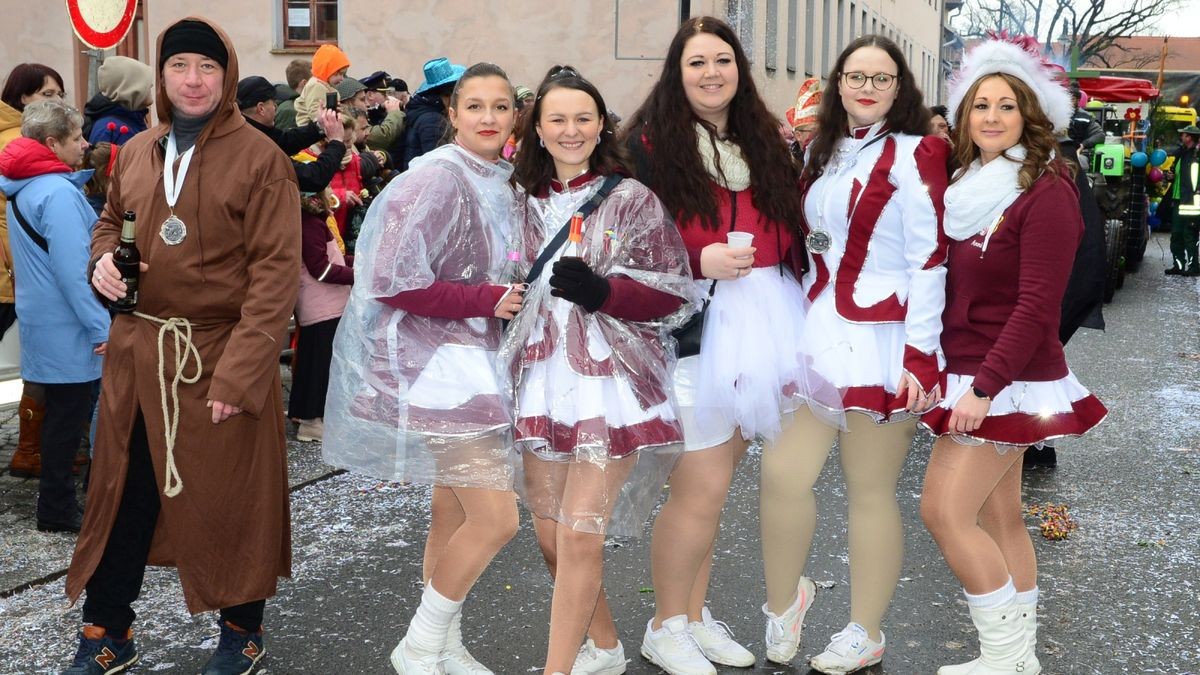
181	331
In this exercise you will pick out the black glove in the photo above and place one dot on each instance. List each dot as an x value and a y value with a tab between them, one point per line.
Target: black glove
572	280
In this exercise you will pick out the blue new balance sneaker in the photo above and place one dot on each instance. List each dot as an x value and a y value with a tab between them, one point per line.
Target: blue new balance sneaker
100	654
237	652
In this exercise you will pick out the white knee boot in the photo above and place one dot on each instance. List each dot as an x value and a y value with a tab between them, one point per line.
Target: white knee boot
1007	637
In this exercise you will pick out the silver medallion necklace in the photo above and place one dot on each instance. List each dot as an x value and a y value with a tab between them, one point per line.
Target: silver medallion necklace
173	230
844	158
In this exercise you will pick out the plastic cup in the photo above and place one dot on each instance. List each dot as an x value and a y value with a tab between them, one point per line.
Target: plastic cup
739	239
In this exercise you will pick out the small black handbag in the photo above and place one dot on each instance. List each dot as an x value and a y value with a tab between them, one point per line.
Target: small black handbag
687	337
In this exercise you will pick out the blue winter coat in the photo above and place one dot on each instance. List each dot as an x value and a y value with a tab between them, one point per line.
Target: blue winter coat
60	319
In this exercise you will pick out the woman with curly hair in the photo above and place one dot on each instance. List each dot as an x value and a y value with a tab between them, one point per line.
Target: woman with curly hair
707	145
1012	213
873	187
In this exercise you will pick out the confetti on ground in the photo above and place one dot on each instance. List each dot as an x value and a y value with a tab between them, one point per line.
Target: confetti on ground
1057	524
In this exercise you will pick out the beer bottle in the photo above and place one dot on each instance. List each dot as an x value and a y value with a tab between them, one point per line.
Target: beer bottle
128	260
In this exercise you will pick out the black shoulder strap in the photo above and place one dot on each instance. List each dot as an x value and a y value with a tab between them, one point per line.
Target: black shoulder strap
561	236
37	238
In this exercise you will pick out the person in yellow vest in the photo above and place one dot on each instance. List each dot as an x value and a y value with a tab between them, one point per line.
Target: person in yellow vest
1183	195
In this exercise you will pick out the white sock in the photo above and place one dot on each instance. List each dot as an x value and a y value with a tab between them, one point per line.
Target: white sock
454	635
997	598
1029	597
429	626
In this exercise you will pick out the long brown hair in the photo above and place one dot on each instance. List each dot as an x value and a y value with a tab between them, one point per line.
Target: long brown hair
674	169
535	166
908	114
1037	136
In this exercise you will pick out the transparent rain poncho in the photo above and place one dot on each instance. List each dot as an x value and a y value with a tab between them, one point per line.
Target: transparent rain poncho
596	419
417	398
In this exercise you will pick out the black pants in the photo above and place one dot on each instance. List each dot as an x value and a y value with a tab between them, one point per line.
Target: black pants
310	380
117	581
68	409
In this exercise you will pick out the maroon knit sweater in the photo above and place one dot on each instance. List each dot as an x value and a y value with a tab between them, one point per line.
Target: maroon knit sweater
1003	303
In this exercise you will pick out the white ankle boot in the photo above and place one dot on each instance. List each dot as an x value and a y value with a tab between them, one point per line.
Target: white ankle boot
1007	636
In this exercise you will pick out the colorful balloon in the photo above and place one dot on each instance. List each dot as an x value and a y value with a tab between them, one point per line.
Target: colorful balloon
1138	159
1158	157
1156	175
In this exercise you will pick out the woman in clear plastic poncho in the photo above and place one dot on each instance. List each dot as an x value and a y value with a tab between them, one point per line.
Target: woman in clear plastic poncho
413	394
595	418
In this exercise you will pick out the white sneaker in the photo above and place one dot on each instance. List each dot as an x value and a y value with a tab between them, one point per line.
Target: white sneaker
592	660
460	662
717	644
311	430
405	663
783	632
673	648
849	650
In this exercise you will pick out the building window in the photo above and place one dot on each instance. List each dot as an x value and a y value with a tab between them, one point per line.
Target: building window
841	25
810	36
308	23
793	19
772	36
827	40
853	19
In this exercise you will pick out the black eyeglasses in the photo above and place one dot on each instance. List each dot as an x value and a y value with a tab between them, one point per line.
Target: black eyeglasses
858	79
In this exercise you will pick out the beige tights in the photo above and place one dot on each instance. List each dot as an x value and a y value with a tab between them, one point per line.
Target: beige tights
872	456
971	505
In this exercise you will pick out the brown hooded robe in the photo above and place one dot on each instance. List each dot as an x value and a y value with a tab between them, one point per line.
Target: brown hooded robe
234	278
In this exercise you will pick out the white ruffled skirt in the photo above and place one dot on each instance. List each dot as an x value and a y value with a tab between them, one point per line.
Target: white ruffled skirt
594	459
1023	413
864	362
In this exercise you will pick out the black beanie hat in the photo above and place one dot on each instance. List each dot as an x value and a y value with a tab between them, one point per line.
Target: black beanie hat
193	37
254	90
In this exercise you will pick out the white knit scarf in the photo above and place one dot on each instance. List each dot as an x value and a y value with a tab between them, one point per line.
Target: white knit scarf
733	165
977	199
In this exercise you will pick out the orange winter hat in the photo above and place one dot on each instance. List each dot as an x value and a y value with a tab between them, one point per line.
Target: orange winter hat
327	61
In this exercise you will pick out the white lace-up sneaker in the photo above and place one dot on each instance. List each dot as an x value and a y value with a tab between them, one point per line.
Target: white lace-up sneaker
405	663
717	644
456	660
783	632
849	650
460	662
592	660
673	648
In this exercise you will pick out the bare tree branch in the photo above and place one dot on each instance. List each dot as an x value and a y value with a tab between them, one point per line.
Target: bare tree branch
1096	27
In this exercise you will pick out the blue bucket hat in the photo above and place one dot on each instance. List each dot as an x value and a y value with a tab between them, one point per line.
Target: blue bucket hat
440	71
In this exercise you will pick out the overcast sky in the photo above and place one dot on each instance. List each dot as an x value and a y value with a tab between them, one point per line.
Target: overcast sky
1184	22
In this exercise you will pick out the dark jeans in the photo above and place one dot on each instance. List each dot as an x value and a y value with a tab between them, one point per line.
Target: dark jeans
67	409
117	581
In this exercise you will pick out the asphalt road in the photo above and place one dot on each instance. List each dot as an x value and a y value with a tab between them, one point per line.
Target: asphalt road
1119	596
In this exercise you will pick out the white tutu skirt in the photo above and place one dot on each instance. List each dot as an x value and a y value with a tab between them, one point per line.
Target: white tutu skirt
1023	413
594	458
752	370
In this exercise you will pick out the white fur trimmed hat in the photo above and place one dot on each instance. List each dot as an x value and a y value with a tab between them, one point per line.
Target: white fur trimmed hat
1001	56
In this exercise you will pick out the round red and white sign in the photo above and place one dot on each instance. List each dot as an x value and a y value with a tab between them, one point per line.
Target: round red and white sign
101	24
